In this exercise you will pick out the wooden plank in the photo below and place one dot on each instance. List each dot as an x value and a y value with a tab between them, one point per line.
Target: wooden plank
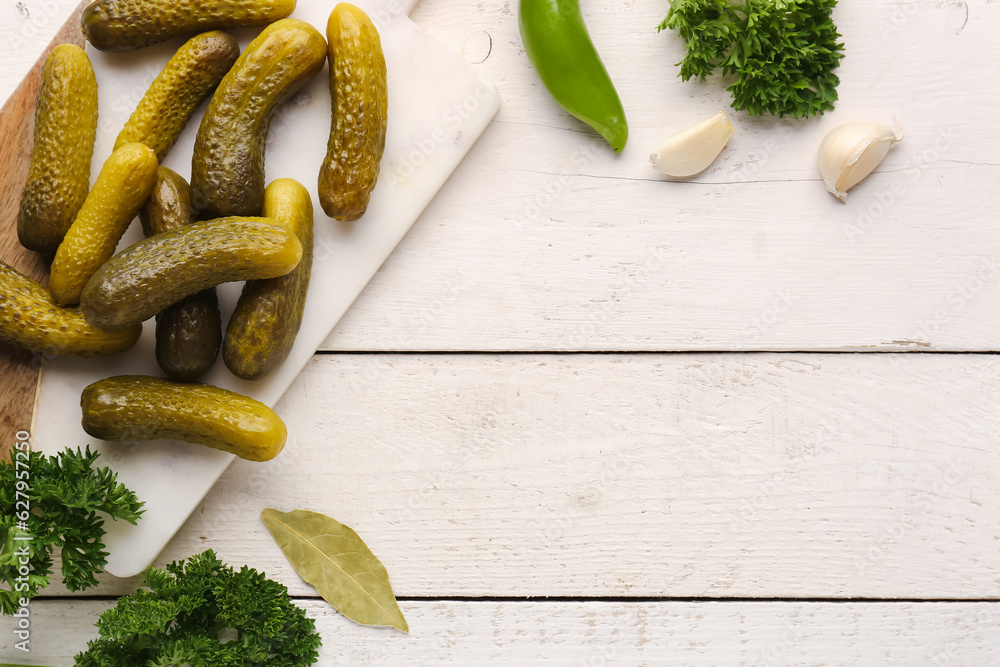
773	475
545	240
618	633
19	368
26	29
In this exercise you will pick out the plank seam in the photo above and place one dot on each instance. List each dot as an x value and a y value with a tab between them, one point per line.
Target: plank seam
607	599
650	352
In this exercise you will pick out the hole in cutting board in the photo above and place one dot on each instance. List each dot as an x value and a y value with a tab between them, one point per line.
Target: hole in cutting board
477	47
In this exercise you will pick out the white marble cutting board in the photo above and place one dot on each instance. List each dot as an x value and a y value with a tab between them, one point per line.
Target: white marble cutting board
438	107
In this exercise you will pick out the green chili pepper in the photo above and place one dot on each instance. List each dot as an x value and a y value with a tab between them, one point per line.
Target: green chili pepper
561	51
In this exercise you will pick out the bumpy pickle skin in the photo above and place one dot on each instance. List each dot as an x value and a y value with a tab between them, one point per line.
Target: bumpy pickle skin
142	280
268	315
138	407
186	81
227	168
65	130
360	105
124	25
29	319
188	333
119	192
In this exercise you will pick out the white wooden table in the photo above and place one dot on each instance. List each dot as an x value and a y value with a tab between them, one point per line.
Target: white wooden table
589	417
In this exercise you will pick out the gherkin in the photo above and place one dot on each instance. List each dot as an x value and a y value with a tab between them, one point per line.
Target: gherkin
142	280
188	78
65	130
227	168
139	407
189	332
124	25
267	317
29	319
360	106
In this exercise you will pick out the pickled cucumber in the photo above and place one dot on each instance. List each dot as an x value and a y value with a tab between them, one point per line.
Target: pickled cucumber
65	129
187	79
227	168
29	319
120	191
360	103
139	407
123	25
142	280
267	317
188	333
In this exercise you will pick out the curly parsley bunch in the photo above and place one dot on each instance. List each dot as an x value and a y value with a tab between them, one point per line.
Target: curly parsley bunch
56	502
200	612
783	52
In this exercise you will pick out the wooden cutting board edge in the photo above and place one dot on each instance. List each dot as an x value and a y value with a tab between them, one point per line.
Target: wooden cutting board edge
20	369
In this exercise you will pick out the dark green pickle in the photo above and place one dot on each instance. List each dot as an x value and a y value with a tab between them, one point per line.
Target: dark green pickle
267	317
144	279
124	25
188	333
140	407
227	167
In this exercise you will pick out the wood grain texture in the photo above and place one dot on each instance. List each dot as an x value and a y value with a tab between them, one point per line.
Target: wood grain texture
19	368
546	240
695	475
662	475
704	634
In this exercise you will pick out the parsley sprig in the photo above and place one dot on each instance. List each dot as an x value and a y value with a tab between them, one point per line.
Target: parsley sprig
203	613
783	52
68	497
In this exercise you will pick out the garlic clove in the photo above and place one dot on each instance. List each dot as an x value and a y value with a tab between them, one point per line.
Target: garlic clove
849	152
691	151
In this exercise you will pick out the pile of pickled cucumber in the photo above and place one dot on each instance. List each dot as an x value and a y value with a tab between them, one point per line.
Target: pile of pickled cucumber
224	226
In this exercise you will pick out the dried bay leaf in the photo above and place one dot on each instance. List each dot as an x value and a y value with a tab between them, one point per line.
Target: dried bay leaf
344	571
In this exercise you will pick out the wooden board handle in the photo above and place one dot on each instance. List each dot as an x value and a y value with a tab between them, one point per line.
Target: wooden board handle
19	369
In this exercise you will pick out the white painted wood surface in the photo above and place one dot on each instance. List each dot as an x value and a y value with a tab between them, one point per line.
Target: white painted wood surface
547	240
427	83
636	475
658	475
586	634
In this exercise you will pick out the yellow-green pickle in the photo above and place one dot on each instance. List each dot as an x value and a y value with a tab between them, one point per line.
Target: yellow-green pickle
188	333
227	168
185	82
267	317
65	129
122	187
124	25
142	280
140	407
360	105
30	319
